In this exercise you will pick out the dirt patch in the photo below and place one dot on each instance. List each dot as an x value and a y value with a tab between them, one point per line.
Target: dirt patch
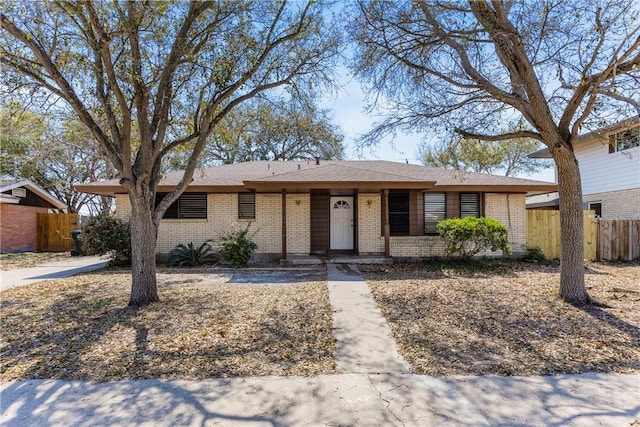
30	259
80	328
505	318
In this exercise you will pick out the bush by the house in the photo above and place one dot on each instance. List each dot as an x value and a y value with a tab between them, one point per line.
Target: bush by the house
236	247
191	256
106	235
470	236
534	255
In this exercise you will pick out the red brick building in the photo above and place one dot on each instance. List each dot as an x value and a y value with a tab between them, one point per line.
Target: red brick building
20	202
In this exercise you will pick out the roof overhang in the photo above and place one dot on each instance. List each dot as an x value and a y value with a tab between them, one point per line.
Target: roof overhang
112	190
540	154
498	188
305	186
37	190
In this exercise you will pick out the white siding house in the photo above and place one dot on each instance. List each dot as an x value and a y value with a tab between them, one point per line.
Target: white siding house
609	162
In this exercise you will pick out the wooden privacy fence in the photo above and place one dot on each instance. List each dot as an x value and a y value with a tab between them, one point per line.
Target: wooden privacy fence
54	232
543	231
618	239
609	240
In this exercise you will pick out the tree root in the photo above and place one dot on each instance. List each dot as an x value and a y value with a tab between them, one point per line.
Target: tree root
588	302
595	303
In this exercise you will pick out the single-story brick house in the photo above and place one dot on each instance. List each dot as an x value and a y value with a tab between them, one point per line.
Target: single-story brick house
20	202
333	207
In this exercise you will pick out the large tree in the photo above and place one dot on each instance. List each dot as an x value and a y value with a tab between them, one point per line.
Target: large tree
147	78
560	66
273	128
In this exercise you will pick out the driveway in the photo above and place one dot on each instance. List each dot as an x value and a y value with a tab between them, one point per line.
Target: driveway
53	270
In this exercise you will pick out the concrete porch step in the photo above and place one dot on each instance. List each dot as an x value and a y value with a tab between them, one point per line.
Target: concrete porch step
337	259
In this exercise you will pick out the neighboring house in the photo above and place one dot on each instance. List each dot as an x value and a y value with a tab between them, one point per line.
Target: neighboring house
333	207
609	161
20	202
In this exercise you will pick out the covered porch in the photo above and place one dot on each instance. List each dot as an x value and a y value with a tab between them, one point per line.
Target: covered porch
347	213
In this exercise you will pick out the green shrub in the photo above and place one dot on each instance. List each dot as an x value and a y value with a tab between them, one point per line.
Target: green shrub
469	236
106	235
534	255
236	247
190	256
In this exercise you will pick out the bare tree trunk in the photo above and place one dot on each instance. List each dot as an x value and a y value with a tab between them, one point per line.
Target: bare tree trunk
572	288
143	253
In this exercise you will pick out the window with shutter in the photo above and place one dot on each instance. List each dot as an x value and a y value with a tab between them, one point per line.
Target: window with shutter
469	204
192	206
399	213
188	206
435	210
246	205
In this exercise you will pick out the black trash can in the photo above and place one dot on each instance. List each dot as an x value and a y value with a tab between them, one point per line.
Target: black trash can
77	239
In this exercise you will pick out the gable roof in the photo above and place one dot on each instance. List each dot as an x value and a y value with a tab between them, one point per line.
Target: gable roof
364	175
602	133
10	184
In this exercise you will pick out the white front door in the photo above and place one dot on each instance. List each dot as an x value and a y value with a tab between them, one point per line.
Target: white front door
341	223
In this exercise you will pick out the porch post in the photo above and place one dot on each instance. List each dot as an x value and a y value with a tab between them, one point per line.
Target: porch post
284	223
385	221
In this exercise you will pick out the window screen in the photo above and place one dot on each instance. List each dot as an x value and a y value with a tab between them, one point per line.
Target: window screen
246	205
469	204
435	210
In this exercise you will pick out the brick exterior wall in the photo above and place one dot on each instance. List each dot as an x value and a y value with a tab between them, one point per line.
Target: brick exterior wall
623	204
123	207
268	223
417	246
509	209
298	224
369	224
19	227
266	229
222	216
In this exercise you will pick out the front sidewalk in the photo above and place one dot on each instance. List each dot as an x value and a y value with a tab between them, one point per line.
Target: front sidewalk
328	400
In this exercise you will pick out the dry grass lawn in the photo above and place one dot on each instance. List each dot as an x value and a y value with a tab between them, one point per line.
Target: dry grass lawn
10	261
205	326
504	318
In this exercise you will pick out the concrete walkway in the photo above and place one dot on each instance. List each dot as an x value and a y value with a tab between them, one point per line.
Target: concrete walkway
374	390
52	270
328	400
364	340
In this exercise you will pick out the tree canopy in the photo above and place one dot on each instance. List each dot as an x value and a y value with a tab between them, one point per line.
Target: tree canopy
147	78
55	153
508	157
275	128
560	67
